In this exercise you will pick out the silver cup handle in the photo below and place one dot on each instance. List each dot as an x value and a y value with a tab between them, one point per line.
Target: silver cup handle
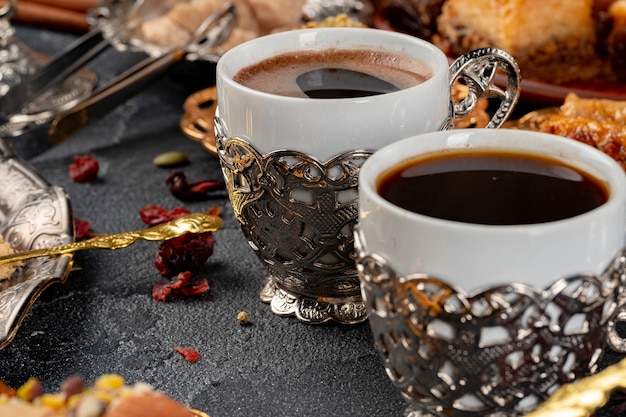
477	69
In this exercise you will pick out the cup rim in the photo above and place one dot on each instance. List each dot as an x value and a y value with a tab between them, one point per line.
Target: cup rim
434	51
613	175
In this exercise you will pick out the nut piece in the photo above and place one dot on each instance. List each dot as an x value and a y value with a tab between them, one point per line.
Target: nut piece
243	317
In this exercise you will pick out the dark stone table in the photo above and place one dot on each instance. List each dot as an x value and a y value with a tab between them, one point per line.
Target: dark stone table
104	320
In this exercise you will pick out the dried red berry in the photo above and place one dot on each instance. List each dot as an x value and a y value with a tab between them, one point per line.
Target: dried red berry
84	168
198	287
190	355
184	253
215	210
192	191
181	284
82	229
153	214
163	291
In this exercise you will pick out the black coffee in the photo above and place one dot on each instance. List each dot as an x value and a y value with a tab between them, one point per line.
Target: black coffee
493	188
333	73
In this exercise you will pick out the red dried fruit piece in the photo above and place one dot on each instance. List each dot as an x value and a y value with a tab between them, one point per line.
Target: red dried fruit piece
192	191
198	287
163	291
181	284
190	355
81	229
215	210
153	215
184	253
84	168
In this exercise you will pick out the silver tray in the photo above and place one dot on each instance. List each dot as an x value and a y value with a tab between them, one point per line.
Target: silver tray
33	214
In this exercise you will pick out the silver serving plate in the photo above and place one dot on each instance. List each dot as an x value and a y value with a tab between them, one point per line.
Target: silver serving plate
33	214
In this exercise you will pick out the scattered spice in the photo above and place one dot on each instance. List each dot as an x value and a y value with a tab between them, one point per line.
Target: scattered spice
82	229
197	287
170	159
190	355
215	210
153	215
181	284
243	318
183	253
179	256
84	168
192	191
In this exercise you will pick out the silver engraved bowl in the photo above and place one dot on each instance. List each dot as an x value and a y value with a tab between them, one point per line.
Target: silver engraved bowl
33	214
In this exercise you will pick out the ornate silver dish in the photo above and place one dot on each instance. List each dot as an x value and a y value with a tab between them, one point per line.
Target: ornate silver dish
33	214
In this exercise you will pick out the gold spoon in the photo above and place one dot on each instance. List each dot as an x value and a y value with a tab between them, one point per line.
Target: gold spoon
189	223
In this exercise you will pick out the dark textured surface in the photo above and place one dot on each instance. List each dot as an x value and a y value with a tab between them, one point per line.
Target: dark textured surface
103	319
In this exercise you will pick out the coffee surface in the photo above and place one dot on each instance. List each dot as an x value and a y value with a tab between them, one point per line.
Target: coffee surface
333	73
492	188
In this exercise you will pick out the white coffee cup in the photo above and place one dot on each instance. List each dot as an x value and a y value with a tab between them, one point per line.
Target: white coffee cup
483	320
291	164
474	256
316	127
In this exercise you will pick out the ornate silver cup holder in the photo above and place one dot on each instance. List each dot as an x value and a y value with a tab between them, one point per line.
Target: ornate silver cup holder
497	352
297	214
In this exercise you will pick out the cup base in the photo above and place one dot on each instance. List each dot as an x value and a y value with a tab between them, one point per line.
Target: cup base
312	310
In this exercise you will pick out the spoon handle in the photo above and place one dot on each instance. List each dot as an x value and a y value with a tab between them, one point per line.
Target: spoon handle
190	223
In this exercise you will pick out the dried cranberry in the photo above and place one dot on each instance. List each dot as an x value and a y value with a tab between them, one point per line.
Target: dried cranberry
82	229
215	210
192	191
184	253
84	168
190	355
163	291
197	287
181	284
153	214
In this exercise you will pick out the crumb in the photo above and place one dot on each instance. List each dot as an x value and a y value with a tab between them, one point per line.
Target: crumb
243	318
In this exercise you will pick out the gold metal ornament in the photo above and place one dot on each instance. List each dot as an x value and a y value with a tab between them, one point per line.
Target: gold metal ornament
190	223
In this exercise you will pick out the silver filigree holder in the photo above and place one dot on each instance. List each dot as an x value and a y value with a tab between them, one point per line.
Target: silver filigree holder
299	213
18	61
497	352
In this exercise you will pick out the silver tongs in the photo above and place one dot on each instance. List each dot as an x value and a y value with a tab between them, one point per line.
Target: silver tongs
69	60
212	32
